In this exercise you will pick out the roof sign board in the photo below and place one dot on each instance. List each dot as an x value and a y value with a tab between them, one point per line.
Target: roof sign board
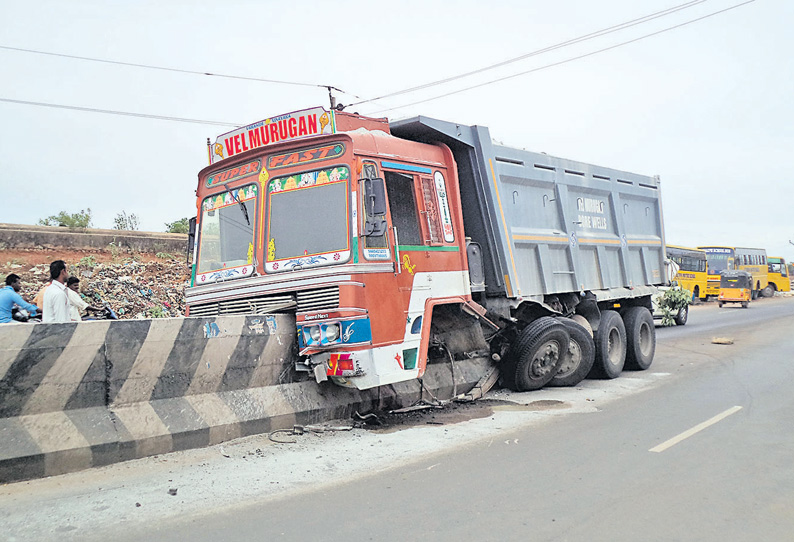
295	125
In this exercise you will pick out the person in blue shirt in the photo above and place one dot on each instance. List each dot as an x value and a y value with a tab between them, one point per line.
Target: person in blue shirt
9	296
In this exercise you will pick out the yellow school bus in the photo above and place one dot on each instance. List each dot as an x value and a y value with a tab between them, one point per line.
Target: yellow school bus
779	277
722	258
692	266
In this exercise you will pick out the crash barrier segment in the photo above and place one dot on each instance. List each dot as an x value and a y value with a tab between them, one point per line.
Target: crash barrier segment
86	394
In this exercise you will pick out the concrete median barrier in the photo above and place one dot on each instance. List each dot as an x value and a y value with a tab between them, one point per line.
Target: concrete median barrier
79	395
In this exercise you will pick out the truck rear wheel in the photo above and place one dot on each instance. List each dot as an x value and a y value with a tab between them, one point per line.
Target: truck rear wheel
581	356
610	346
537	354
640	337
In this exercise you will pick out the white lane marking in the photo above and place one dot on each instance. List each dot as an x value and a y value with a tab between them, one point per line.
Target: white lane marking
699	427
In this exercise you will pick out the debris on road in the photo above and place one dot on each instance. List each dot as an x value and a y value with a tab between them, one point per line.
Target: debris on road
721	340
302	429
421	406
368	419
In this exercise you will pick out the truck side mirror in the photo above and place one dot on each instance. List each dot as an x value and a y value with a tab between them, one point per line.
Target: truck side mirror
375	206
375	194
191	236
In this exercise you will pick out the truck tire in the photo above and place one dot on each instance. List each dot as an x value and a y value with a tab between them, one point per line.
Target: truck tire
680	318
610	346
581	356
537	354
582	321
640	337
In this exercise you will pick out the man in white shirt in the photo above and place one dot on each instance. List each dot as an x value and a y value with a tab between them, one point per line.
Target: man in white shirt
56	302
76	303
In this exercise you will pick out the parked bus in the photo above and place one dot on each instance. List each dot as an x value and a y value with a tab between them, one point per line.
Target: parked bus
779	276
692	267
722	258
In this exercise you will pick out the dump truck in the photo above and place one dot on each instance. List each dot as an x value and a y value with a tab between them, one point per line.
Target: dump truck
399	244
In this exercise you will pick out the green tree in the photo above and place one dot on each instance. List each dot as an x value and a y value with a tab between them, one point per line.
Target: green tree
67	220
126	221
180	226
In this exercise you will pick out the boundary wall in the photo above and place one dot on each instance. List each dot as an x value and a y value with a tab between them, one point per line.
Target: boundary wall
86	394
23	236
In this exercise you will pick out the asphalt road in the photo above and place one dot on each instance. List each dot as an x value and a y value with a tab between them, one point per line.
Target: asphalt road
698	447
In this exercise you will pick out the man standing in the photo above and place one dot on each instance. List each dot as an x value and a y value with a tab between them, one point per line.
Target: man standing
9	296
76	303
56	302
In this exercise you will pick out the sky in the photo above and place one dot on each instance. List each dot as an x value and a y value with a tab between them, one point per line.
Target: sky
707	106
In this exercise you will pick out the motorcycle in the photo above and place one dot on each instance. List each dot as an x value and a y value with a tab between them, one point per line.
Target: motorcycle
22	315
105	314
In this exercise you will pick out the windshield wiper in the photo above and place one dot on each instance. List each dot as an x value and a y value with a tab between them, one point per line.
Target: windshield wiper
242	206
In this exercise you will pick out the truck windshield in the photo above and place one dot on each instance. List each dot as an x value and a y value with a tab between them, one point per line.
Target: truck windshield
227	232
308	220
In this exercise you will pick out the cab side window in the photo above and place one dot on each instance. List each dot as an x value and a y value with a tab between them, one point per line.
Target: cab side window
402	202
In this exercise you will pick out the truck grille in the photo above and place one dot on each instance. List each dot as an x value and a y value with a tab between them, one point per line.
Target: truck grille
318	300
307	300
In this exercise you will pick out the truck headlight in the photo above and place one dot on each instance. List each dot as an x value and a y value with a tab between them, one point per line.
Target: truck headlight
332	332
314	333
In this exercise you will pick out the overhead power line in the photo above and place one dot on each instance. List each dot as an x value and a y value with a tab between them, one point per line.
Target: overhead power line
579	57
124	113
580	39
178	70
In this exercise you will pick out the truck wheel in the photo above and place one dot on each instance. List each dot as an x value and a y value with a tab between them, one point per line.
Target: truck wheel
538	353
580	358
610	346
681	317
720	304
769	291
582	321
640	337
744	304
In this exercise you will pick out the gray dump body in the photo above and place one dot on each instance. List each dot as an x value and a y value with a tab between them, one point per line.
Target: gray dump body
547	225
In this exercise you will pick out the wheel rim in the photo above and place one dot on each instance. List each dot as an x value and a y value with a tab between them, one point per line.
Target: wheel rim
570	364
545	359
646	340
614	347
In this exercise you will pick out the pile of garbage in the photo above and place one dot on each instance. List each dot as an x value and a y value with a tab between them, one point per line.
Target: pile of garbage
133	289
